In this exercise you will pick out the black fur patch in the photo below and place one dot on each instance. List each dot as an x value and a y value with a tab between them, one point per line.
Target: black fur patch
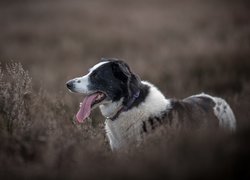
117	80
151	122
144	126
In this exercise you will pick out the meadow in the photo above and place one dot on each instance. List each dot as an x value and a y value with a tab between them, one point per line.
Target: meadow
183	47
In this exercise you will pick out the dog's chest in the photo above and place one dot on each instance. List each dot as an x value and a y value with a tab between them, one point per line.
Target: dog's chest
123	132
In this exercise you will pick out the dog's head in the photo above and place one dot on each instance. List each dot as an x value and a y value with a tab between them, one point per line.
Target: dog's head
107	82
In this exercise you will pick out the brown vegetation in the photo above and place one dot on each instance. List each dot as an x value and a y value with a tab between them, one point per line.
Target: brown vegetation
184	47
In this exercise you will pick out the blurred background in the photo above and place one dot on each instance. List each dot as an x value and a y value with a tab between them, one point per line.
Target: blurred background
183	47
195	45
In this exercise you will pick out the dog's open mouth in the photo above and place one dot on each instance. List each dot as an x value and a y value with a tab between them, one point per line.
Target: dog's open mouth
88	103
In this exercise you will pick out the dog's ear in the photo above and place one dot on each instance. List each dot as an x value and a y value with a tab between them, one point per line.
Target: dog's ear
122	72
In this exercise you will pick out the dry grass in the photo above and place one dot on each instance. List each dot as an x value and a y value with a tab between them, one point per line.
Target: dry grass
184	47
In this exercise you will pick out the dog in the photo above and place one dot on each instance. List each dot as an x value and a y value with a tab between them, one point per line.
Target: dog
133	108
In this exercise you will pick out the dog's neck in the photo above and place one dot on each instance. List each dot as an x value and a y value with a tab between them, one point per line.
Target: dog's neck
147	92
127	127
109	110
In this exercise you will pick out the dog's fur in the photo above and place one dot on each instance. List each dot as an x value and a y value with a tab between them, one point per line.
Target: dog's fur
133	107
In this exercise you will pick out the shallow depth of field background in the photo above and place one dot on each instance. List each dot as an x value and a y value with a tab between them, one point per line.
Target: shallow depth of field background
183	47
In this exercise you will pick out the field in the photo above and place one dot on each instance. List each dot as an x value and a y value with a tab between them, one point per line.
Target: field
183	47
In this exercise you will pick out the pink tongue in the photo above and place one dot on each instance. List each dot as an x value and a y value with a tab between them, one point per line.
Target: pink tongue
85	109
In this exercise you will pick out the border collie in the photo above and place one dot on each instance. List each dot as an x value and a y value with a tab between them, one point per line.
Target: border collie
133	107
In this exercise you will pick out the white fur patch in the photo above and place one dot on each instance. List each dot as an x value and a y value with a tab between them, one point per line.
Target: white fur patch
109	109
81	84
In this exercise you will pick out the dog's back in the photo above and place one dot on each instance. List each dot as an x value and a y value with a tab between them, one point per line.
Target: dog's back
203	110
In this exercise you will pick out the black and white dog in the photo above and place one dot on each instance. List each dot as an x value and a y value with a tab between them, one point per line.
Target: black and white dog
133	107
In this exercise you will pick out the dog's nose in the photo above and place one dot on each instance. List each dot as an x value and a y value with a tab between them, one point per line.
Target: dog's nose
69	84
